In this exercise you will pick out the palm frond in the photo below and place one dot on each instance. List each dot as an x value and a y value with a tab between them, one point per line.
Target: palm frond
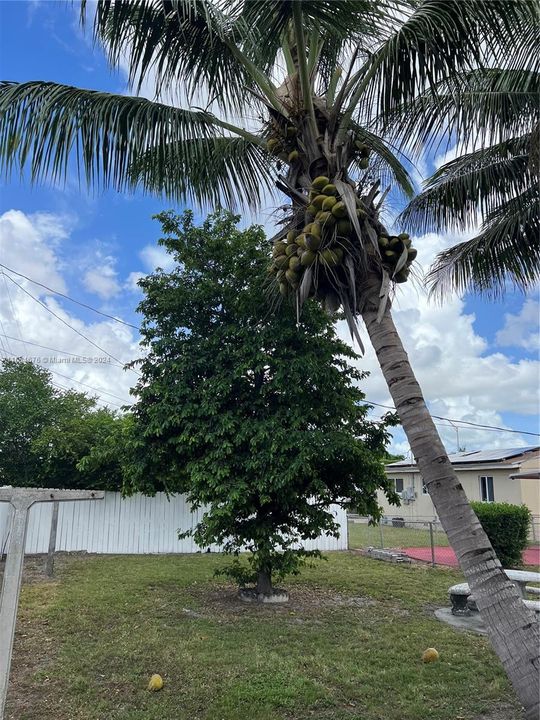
187	43
340	24
437	42
478	182
483	106
506	251
45	124
386	163
211	171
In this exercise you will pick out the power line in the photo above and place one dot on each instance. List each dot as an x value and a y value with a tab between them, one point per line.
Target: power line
465	422
48	309
63	387
43	347
67	297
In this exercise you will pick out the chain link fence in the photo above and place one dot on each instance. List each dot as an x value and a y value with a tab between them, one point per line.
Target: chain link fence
534	533
421	539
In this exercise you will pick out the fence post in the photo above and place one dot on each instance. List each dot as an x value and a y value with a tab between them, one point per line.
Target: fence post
382	537
49	567
432	543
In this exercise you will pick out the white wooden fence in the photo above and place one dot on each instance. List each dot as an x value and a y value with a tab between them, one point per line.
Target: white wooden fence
136	525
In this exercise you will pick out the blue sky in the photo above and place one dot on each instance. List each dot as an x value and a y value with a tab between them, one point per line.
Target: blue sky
476	360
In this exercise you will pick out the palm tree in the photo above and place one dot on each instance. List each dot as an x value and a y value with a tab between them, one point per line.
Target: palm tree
497	179
291	90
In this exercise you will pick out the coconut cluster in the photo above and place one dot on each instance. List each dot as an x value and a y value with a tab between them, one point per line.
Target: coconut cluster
328	246
392	249
364	151
282	143
322	244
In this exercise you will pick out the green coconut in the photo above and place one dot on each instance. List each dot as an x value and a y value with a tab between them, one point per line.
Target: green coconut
318	201
383	241
280	274
313	242
390	255
344	228
292	235
292	276
283	288
329	256
320	182
279	248
329	189
281	261
360	146
326	219
329	203
301	241
291	249
401	276
313	229
340	210
294	262
273	145
405	238
293	156
411	254
338	252
364	163
312	210
308	258
291	131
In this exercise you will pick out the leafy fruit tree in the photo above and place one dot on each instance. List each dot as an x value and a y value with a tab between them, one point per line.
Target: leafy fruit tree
326	76
45	433
258	420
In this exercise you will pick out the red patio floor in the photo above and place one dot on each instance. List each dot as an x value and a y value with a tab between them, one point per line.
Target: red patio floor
446	556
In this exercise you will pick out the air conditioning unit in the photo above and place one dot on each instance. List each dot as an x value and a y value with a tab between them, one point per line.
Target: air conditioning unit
408	495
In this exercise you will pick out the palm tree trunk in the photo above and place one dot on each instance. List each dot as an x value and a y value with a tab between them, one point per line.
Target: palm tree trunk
512	628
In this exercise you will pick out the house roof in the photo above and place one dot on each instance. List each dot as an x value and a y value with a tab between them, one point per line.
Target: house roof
476	456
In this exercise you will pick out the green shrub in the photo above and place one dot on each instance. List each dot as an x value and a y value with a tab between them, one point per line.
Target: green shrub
507	527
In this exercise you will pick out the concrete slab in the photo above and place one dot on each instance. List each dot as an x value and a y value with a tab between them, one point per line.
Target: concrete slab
471	623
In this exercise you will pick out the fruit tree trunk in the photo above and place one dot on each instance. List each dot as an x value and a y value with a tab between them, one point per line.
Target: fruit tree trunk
511	626
264	583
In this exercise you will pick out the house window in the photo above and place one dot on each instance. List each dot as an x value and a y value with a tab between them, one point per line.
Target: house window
398	485
424	489
486	489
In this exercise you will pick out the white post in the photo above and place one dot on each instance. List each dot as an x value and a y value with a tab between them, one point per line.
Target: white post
52	541
22	500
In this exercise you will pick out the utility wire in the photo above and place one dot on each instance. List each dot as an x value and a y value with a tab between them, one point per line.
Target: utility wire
48	309
465	422
63	387
67	297
43	347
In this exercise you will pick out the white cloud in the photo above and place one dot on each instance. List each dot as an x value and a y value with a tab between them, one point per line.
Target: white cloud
461	378
132	280
102	280
154	256
522	330
28	242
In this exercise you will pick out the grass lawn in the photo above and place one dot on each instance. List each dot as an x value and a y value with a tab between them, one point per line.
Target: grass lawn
362	535
347	646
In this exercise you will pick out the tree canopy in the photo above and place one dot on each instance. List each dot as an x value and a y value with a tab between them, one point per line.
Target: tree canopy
257	419
45	432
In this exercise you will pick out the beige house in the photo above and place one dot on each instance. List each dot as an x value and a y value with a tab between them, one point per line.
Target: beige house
509	475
